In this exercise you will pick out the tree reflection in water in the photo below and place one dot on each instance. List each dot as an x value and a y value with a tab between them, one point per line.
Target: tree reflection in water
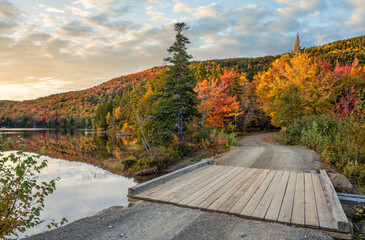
71	145
87	183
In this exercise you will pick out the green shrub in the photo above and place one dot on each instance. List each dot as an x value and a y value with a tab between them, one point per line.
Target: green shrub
129	162
204	133
181	148
218	140
163	157
355	170
22	195
332	138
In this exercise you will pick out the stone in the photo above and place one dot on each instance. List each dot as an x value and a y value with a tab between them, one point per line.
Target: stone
362	228
340	182
242	235
110	226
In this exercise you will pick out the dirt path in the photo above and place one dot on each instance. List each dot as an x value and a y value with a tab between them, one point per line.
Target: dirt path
162	221
255	152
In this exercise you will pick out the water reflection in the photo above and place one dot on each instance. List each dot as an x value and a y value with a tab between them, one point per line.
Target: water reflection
71	145
82	191
91	179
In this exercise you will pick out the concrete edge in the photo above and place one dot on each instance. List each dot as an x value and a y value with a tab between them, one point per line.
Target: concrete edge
167	177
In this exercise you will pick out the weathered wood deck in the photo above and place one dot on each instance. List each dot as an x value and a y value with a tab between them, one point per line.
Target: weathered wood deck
300	199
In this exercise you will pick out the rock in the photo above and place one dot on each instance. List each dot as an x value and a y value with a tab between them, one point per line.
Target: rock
110	226
362	228
242	235
340	182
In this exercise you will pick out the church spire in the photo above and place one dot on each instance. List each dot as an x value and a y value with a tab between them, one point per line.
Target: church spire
297	45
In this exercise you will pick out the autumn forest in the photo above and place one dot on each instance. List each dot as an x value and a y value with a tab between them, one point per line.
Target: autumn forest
315	96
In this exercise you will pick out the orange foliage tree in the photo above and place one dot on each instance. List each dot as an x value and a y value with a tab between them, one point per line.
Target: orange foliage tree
216	104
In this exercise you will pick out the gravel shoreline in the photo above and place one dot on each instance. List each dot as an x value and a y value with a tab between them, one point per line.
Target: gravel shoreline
149	220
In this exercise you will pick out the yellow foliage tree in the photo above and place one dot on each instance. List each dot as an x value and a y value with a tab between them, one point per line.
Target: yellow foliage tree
294	87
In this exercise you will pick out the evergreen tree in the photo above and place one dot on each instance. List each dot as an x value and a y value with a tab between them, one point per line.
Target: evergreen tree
201	72
176	100
297	45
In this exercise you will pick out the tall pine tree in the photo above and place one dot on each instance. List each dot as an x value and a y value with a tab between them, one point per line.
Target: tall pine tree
297	49
176	100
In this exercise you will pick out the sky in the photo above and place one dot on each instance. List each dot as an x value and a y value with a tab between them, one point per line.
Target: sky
53	46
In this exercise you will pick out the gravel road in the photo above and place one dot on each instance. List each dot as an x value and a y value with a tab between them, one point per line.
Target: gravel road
162	221
254	152
149	220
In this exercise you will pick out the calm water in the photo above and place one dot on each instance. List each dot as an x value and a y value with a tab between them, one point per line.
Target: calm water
85	187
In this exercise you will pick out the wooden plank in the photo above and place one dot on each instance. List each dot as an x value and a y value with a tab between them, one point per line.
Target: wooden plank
191	186
266	199
324	216
165	178
197	172
242	201
198	185
215	192
341	222
275	206
310	208
222	199
186	201
286	209
233	199
250	207
298	207
180	185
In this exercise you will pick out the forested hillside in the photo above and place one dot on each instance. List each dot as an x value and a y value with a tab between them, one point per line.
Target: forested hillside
77	108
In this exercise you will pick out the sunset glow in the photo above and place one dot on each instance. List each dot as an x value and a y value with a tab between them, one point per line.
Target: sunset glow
55	46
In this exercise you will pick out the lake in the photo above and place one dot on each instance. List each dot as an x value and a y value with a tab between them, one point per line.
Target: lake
89	182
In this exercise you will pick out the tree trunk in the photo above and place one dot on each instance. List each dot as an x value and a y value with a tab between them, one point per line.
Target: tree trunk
144	139
203	119
180	125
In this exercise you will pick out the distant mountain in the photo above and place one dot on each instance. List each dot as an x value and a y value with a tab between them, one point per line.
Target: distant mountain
77	108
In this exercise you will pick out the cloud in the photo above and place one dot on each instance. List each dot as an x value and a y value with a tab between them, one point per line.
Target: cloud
251	19
299	7
73	45
7	25
208	11
10	17
9	11
157	16
77	11
182	7
357	17
154	1
76	28
107	22
50	9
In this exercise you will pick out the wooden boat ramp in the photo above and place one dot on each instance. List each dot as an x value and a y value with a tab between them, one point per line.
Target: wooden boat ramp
293	198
